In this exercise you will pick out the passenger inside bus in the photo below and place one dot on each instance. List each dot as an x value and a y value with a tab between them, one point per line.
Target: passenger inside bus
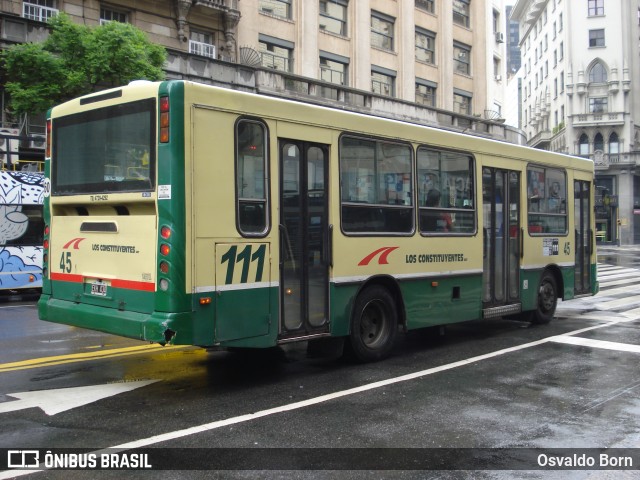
436	221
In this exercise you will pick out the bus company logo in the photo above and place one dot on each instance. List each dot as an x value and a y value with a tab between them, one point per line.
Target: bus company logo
381	253
75	242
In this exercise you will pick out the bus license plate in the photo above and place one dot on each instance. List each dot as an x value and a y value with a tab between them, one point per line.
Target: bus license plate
99	289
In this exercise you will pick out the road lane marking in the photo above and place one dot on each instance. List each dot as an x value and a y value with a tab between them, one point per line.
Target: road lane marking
168	436
83	357
59	400
590	342
618	302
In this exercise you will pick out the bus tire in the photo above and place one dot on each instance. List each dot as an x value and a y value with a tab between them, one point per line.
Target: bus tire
374	325
547	300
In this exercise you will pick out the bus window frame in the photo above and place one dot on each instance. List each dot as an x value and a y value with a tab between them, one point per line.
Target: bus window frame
564	215
412	183
449	210
103	113
266	178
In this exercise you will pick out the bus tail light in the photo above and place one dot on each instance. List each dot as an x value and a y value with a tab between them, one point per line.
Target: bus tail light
164	119
164	267
47	148
165	250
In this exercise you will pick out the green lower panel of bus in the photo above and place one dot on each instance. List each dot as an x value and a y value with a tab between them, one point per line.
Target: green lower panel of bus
153	327
423	303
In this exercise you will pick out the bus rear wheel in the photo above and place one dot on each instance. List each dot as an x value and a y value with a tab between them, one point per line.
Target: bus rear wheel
374	324
547	300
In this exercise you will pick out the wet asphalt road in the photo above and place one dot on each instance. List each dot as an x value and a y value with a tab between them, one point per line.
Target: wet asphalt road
489	384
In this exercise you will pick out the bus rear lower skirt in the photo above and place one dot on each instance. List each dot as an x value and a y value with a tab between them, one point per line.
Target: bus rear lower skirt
494	312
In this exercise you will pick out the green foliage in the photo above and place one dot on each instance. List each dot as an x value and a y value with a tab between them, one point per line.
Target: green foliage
75	60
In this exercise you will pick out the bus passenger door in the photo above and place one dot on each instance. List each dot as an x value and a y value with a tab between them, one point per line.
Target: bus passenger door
584	237
501	242
304	236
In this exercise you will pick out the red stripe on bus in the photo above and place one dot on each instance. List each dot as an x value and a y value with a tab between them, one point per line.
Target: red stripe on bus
132	285
67	277
116	283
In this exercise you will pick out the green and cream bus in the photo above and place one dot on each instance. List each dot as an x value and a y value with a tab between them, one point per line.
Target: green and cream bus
183	213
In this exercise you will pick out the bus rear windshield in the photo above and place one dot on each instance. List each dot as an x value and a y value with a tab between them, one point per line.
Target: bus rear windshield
106	150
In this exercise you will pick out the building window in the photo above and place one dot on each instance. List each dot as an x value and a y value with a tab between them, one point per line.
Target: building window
382	31
583	145
598	143
598	105
426	92
425	46
276	53
383	81
39	10
596	38
251	178
333	68
108	15
333	16
462	12
201	43
598	74
614	144
376	181
461	58
426	5
278	8
462	102
596	7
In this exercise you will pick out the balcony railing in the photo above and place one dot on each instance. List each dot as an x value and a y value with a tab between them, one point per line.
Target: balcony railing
37	12
202	49
600	118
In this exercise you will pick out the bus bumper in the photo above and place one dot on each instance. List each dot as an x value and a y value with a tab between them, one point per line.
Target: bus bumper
157	327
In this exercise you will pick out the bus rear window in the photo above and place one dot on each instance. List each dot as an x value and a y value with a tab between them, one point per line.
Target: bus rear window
106	150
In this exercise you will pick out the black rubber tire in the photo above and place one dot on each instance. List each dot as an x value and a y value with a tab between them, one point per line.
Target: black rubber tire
547	300
374	325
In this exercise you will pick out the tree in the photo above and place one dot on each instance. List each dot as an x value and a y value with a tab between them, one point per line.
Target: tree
75	60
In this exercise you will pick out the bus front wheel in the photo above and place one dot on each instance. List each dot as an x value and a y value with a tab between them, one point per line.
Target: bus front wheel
374	324
547	300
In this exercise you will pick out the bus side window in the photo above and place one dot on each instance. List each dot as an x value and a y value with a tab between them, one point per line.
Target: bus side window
547	200
445	192
376	180
251	178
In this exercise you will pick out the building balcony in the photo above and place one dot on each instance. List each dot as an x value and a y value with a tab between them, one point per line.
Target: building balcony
222	5
598	119
604	161
541	140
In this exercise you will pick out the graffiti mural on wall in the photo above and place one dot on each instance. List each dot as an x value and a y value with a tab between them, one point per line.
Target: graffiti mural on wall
21	229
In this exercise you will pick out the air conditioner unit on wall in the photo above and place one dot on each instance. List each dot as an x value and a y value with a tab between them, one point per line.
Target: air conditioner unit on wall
9	146
499	37
37	141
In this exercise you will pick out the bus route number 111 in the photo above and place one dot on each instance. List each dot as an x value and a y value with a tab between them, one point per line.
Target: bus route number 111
245	256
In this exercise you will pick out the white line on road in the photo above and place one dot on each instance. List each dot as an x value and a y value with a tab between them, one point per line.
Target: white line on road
590	342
